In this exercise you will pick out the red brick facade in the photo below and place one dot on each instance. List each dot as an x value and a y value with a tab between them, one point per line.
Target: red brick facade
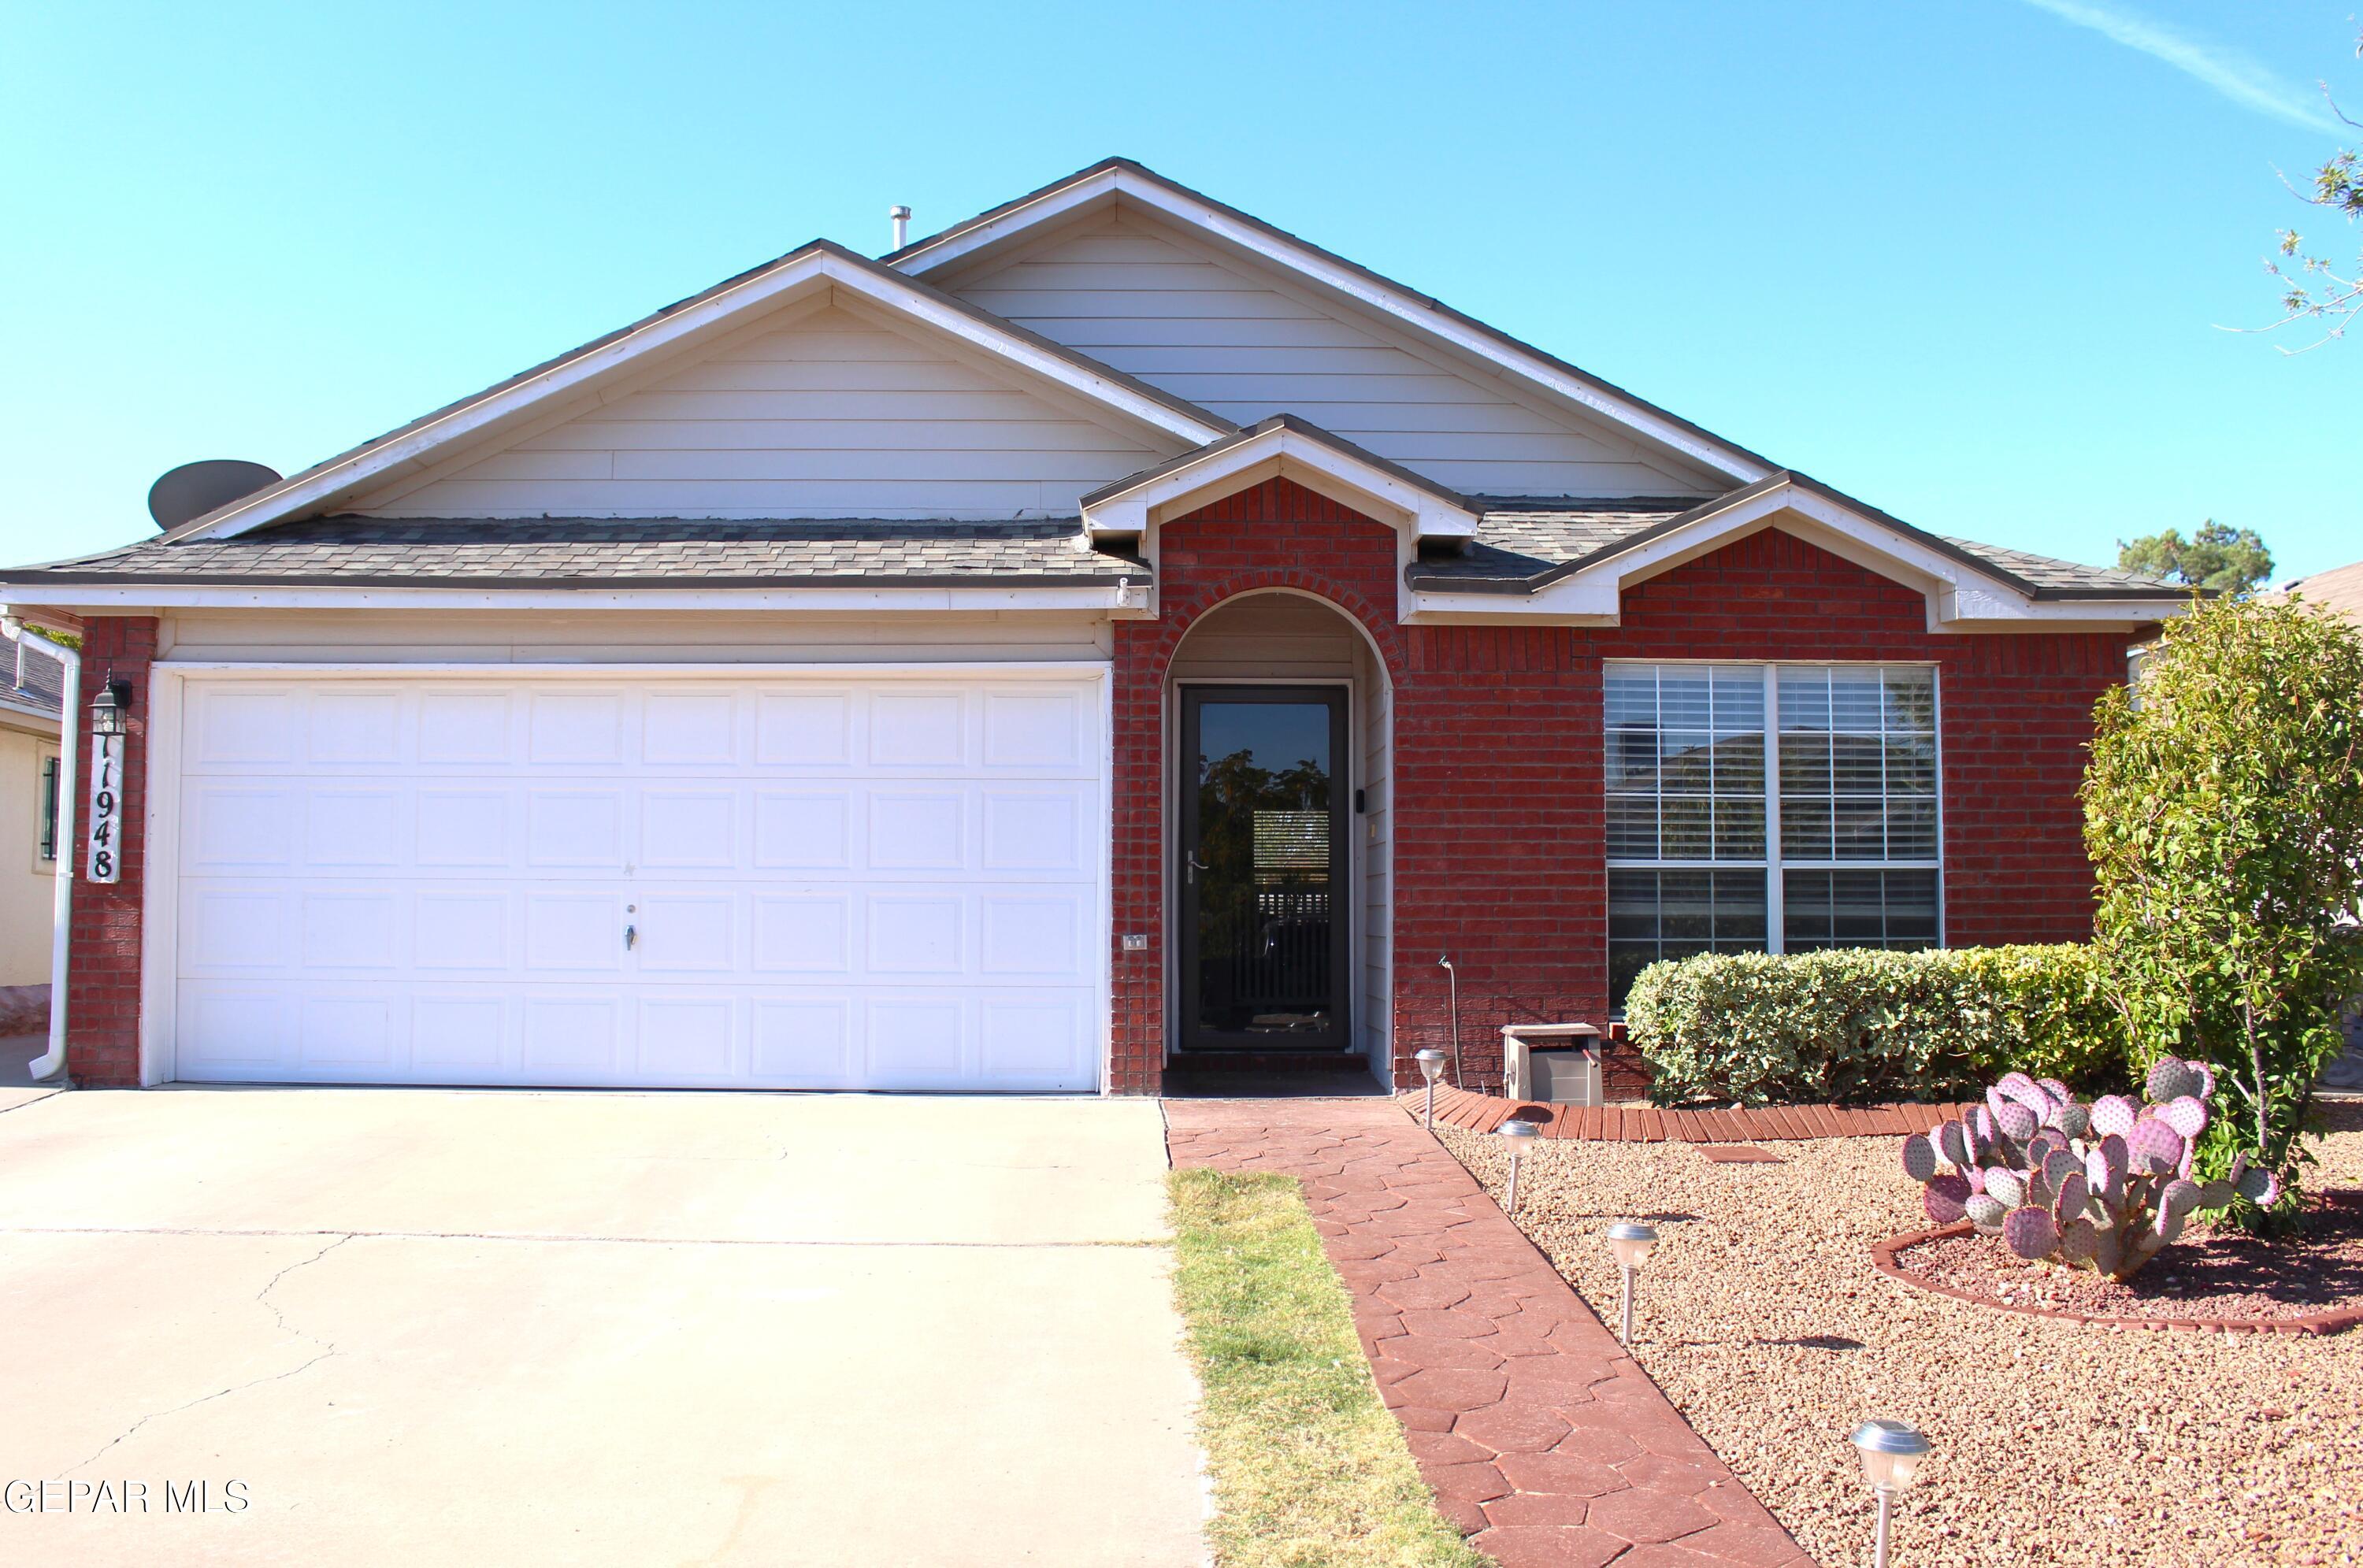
103	991
1498	807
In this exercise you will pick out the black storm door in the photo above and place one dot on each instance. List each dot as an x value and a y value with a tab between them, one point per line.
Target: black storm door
1263	869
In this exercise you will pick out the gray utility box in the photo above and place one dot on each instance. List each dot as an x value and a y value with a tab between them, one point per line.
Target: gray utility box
1552	1064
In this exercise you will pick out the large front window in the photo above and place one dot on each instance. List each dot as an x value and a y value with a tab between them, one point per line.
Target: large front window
1769	808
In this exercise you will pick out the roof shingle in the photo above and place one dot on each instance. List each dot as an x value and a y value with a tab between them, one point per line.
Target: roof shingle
661	552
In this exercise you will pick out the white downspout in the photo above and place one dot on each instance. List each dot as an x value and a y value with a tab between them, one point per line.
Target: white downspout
69	757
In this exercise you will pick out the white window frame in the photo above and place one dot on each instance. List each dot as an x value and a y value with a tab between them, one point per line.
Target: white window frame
1772	864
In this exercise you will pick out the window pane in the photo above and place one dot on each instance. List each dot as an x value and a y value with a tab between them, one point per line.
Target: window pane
1911	830
1633	906
1632	696
1683	703
1855	764
1686	905
1739	765
1805	698
1689	765
1804	828
1738	700
1632	758
1632	827
1688	831
1911	701
1804	764
1739	830
1674	914
1857	699
1858	829
1858	909
1912	766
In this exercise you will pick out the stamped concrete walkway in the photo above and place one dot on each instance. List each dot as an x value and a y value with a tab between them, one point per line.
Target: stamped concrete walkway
1540	1437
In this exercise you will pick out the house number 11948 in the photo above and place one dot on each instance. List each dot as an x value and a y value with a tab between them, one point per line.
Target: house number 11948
106	808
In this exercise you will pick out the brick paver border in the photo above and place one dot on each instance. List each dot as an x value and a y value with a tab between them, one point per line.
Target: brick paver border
1539	1436
1652	1124
1884	1258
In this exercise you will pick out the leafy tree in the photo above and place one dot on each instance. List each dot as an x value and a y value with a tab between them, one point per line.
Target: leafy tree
2217	556
2313	287
2223	813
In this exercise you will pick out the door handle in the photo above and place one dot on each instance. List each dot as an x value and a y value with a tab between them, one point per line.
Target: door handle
1190	858
631	934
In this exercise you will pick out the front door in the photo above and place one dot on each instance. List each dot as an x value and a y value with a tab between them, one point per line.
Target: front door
1263	869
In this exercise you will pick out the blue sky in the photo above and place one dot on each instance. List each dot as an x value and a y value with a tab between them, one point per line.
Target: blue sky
1966	259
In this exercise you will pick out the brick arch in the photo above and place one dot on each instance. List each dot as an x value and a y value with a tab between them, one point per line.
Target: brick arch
1272	535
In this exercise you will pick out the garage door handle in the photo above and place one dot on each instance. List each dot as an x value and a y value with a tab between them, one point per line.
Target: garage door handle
631	934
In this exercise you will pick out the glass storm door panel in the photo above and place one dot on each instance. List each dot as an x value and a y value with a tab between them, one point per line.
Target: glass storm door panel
1263	871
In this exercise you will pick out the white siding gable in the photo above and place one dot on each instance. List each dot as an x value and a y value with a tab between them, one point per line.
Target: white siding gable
832	414
1141	296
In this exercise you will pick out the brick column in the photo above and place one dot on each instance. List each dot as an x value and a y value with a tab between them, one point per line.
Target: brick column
103	984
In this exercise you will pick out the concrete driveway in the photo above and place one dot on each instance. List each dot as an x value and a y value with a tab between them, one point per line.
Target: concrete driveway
422	1328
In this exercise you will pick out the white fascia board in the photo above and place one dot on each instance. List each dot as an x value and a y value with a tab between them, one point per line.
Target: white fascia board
1092	600
1356	286
816	269
1298	456
1960	598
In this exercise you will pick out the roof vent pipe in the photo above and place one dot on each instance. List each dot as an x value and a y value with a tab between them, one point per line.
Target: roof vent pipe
900	216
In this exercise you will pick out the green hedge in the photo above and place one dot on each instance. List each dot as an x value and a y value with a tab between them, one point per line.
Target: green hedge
1858	1026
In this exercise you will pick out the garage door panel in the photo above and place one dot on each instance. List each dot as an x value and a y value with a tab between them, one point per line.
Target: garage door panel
914	1041
803	1042
353	729
918	830
236	927
462	1034
353	930
1041	1040
919	729
803	934
238	827
463	728
573	1035
804	729
683	829
573	933
829	882
687	1038
346	827
803	830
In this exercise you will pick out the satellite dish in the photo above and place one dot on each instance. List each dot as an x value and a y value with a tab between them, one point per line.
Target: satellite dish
194	489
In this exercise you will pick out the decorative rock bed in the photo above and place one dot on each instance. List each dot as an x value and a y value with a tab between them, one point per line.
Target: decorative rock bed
2220	1280
1763	1318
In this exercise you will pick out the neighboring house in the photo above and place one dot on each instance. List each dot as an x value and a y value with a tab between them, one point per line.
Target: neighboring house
1111	626
2339	590
30	701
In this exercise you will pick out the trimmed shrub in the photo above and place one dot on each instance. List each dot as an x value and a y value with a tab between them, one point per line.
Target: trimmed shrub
1859	1026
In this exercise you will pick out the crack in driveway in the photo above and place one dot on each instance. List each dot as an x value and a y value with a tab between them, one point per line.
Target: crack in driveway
279	1319
568	1236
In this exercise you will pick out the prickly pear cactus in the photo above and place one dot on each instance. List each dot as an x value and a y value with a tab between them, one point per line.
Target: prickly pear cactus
2104	1186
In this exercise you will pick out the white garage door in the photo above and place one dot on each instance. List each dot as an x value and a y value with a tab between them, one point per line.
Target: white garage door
794	882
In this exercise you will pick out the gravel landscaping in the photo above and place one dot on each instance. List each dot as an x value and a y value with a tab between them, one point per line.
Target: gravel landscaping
2056	1442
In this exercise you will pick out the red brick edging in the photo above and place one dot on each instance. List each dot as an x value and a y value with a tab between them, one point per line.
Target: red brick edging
1883	1259
1538	1434
1653	1125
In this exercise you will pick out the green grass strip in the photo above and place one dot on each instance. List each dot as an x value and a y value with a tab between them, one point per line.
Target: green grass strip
1309	1469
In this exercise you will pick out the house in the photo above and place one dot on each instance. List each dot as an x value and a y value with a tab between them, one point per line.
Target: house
1108	628
2339	591
30	701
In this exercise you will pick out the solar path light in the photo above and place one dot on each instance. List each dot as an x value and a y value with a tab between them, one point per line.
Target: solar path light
1891	1452
1519	1134
1632	1242
1431	1067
